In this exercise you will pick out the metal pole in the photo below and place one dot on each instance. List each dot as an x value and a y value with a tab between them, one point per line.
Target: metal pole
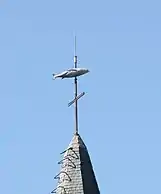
76	107
76	92
76	96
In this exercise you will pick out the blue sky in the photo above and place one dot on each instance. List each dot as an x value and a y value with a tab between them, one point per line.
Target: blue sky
119	117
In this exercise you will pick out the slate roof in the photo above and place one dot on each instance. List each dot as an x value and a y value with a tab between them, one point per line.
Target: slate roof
76	175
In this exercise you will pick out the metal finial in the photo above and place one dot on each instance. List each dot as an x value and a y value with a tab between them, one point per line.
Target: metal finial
77	97
73	73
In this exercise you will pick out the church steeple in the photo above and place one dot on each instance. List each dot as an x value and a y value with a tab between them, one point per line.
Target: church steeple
76	175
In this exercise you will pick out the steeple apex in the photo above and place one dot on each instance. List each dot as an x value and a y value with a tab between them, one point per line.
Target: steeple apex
77	141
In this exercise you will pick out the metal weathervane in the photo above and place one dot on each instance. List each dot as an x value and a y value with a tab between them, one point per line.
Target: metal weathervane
73	73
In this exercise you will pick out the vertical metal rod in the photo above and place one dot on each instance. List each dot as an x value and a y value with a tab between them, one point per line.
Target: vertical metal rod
76	108
76	91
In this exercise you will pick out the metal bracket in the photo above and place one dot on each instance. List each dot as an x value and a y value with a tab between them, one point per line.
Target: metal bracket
70	148
57	176
54	191
73	165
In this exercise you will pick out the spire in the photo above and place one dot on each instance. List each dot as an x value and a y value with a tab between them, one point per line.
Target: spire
77	174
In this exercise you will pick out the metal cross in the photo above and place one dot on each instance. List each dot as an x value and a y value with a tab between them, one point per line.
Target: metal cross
76	98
